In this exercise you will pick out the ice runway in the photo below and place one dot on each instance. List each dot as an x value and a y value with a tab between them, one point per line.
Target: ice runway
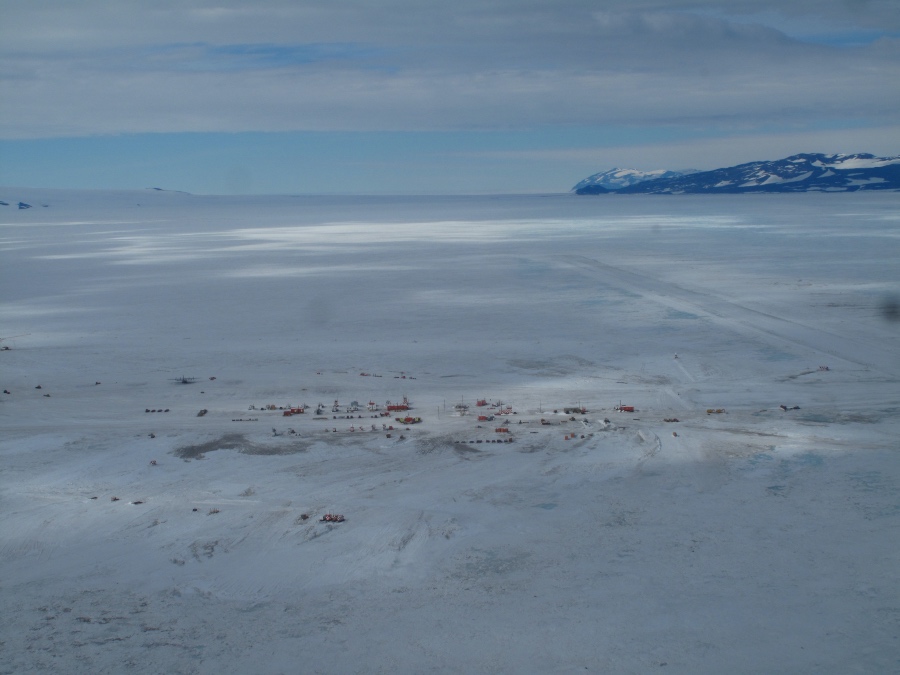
779	330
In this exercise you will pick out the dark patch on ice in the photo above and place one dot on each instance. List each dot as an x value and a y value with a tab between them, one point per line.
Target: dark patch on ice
565	364
800	374
890	308
466	450
204	548
291	448
240	443
226	442
427	445
836	418
548	506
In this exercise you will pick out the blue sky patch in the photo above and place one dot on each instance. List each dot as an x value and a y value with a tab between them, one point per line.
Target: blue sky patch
200	57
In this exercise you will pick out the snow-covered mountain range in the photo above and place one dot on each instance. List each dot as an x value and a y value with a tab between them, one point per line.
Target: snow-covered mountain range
798	173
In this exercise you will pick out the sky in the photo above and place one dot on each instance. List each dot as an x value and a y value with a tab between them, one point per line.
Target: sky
428	97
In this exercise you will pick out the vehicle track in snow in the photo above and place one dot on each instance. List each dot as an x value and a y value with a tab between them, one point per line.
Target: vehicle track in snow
738	318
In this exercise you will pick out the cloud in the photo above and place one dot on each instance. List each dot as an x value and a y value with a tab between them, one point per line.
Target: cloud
710	153
198	65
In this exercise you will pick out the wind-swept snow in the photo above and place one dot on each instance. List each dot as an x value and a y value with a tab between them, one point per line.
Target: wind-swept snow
757	533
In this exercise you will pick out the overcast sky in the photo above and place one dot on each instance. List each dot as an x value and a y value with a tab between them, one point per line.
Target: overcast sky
424	96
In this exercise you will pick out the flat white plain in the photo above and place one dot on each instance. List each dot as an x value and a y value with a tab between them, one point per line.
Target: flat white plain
752	540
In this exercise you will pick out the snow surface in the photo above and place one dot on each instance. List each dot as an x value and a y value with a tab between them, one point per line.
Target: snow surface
845	162
772	178
755	540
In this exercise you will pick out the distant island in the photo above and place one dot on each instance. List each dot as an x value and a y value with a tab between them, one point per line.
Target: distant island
797	173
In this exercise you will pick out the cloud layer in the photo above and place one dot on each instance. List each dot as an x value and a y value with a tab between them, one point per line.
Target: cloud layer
400	65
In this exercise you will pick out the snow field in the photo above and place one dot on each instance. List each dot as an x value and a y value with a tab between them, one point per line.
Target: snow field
754	540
